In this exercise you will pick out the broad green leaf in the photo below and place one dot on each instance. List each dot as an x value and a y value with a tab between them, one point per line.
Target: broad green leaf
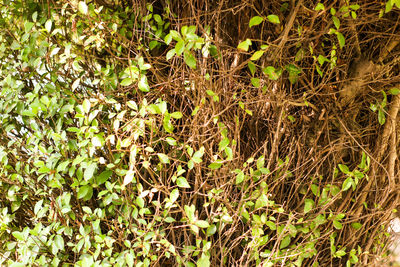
129	177
28	26
336	22
261	202
212	229
273	19
239	177
89	171
130	259
83	8
252	67
75	84
198	155
143	85
271	225
344	169
381	117
170	54
18	235
257	55
163	158
356	225
337	224
48	25
223	144
179	47
255	21
285	242
308	205
347	184
319	7
103	177
86	106
340	39
176	115
215	165
189	59
394	91
59	242
202	224
83	191
182	182
272	73
244	45
127	81
204	261
174	195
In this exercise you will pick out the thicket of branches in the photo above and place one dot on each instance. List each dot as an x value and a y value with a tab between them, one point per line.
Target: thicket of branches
208	133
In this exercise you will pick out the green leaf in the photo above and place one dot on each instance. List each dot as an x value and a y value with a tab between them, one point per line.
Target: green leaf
48	25
174	195
255	21
261	202
356	225
271	225
215	165
86	106
260	162
59	242
293	72
308	205
394	91
202	224
127	81
336	22
89	171
170	54
272	73
198	155
252	67
83	8
257	55
189	59
143	85
204	261
340	39
244	45
103	177
239	177
130	259
337	224
163	158
381	117
83	191
28	26
182	182
285	242
18	235
176	115
273	19
344	169
340	253
179	47
319	7
347	184
212	229
223	144
129	177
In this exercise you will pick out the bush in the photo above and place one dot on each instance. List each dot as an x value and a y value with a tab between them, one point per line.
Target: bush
198	133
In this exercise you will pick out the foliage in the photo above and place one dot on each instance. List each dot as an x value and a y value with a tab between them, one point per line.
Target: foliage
147	134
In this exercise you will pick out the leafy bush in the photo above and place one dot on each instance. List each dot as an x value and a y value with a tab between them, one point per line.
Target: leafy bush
190	134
